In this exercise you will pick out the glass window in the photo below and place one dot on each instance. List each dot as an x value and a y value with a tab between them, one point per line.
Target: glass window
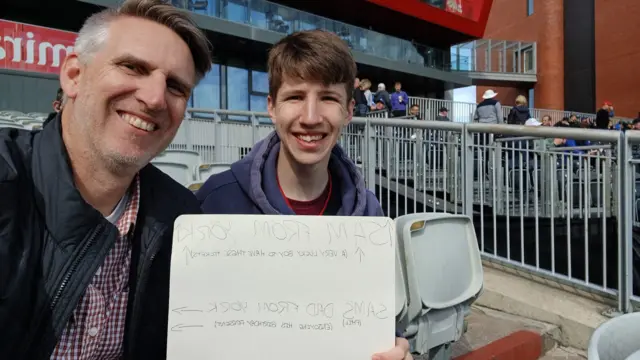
259	103
259	82
236	10
206	95
529	7
237	90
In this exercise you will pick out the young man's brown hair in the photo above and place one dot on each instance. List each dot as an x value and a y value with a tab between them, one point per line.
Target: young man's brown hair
314	55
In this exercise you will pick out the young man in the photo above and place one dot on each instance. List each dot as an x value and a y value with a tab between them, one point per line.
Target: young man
86	224
298	169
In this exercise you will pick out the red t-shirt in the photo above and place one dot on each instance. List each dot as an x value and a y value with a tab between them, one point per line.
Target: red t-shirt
312	207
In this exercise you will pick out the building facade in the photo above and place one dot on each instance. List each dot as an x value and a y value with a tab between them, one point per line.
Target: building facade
587	52
36	34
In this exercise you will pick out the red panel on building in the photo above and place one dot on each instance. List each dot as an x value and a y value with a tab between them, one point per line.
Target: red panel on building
465	16
32	48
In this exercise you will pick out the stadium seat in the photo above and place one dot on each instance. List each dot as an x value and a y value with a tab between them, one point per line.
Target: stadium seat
206	170
178	172
191	159
616	339
443	271
401	294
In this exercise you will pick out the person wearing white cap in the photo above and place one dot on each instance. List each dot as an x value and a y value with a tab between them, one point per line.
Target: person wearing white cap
532	122
489	111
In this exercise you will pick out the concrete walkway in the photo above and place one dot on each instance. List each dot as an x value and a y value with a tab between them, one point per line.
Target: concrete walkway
517	318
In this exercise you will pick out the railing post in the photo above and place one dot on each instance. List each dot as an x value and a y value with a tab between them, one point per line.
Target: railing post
625	193
254	129
370	155
467	172
217	135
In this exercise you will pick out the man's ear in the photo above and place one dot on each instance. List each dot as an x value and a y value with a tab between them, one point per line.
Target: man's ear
271	108
70	75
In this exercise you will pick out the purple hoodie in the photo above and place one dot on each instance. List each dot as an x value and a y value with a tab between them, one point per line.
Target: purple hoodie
251	186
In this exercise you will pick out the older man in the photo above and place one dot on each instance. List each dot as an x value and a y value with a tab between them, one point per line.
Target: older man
85	222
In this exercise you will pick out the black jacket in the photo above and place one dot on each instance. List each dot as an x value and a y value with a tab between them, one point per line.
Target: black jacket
52	242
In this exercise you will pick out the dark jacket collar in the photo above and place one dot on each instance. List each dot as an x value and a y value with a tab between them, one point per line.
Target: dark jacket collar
67	215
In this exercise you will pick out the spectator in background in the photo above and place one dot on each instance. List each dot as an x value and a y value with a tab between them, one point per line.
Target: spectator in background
399	101
546	121
57	107
609	104
603	116
443	114
382	98
489	110
414	110
586	123
365	85
520	113
361	106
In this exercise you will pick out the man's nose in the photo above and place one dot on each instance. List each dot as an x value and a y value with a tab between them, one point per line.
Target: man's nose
311	113
152	92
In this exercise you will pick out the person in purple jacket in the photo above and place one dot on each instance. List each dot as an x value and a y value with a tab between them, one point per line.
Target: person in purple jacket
399	101
299	169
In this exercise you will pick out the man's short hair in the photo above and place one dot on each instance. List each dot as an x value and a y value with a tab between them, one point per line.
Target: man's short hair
93	33
314	55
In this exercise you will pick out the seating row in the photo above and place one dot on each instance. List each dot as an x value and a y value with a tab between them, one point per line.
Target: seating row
186	167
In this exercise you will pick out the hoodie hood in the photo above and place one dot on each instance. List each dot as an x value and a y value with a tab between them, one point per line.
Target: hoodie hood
256	174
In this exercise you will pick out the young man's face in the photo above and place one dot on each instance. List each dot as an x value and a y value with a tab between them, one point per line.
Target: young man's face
309	118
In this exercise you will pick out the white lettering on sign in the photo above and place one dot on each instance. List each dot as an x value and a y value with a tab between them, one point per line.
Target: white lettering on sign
33	48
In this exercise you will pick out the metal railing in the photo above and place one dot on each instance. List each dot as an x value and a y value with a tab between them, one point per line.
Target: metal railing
563	214
464	112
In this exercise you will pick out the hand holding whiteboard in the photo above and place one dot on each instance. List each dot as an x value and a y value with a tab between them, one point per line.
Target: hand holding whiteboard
281	287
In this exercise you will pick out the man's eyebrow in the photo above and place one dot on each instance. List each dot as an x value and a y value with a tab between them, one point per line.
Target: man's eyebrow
186	85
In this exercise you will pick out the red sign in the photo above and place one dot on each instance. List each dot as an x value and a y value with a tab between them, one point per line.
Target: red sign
33	48
465	16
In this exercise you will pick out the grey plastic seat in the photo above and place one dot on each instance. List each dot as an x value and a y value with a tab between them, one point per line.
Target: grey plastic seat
616	339
401	294
178	172
206	170
443	268
184	157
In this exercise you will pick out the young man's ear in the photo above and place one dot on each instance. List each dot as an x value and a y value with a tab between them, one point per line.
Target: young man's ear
70	74
271	108
350	107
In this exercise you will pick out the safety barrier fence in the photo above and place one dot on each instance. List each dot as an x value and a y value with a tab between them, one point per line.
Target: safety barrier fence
563	213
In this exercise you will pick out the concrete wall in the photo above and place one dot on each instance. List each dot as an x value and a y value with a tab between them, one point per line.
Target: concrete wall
508	20
27	92
618	55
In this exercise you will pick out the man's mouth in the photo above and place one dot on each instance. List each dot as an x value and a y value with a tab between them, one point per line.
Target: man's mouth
310	138
137	122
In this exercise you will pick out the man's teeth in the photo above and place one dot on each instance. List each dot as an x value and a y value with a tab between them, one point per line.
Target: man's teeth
309	138
137	122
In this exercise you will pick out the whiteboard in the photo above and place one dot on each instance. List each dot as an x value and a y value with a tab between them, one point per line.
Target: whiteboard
281	287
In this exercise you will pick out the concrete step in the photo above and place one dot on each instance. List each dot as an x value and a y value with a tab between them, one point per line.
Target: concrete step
495	335
577	316
563	353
